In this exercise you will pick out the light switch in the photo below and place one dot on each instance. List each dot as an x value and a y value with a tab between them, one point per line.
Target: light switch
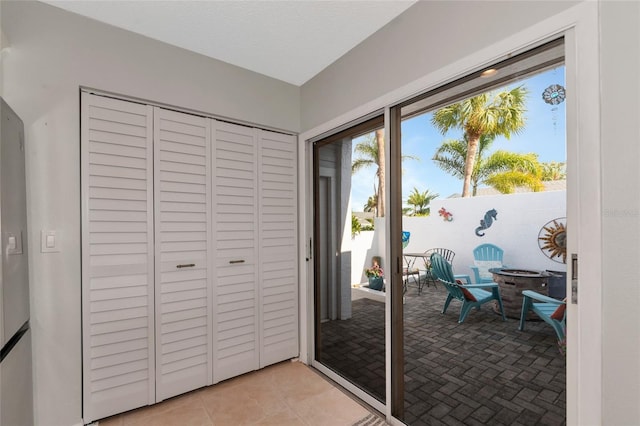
49	242
13	242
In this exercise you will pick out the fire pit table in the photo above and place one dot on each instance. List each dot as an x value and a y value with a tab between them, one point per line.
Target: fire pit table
512	282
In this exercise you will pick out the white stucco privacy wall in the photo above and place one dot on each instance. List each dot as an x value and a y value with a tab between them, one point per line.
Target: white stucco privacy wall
519	220
52	53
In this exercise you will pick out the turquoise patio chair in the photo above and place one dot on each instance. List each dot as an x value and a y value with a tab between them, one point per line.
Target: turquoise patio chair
486	256
471	295
550	310
426	276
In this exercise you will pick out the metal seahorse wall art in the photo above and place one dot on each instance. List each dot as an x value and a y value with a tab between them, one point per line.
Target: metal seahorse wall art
486	223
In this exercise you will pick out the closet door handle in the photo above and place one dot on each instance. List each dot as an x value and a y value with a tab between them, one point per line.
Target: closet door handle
236	261
186	265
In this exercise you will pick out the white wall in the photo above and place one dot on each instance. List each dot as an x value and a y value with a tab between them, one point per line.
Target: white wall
519	219
52	53
363	247
620	133
425	38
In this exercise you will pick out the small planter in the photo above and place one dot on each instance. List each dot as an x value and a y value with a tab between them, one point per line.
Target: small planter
376	283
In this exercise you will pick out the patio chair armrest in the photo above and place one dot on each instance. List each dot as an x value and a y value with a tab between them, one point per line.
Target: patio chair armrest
464	277
488	285
542	298
476	273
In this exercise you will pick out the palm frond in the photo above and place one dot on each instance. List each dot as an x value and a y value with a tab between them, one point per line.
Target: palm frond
507	182
360	163
450	157
553	171
420	201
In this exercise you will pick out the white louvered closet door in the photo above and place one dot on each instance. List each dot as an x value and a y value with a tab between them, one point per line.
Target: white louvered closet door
117	256
182	223
278	249
235	218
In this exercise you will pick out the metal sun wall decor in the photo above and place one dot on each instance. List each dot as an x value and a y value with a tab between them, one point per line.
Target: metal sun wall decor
446	216
552	240
486	223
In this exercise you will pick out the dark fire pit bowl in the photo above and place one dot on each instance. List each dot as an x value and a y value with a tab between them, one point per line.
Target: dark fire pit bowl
512	282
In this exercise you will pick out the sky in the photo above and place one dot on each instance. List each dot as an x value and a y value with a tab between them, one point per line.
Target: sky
543	134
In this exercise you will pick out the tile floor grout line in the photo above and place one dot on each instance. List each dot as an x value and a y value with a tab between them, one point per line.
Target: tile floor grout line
199	392
192	403
351	396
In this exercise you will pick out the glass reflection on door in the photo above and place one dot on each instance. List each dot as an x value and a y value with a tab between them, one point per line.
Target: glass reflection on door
349	316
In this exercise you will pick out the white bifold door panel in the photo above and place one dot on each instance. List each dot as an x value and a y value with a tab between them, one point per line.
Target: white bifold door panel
235	221
254	214
182	233
117	256
278	270
189	272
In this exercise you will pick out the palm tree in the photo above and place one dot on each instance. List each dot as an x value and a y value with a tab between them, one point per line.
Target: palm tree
381	171
372	204
371	152
502	170
356	228
487	114
420	201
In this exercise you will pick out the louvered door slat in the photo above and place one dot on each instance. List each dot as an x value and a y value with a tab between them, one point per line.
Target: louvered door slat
117	256
278	247
182	205
235	219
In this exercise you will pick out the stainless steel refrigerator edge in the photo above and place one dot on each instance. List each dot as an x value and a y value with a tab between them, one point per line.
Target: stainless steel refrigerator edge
16	387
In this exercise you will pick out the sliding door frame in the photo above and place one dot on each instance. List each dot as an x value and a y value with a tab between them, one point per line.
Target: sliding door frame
395	371
357	127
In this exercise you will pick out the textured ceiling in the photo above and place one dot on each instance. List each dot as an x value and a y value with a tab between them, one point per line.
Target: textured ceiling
288	40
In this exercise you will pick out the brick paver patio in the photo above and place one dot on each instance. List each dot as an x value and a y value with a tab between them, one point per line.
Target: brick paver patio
481	372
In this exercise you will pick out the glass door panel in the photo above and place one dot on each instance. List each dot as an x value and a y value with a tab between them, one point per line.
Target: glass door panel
478	183
349	240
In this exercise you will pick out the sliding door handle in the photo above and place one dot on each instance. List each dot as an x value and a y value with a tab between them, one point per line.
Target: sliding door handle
236	261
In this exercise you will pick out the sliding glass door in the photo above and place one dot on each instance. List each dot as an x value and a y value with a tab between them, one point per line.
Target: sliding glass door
349	308
441	182
492	174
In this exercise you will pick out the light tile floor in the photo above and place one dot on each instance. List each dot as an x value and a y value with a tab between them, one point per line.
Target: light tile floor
289	393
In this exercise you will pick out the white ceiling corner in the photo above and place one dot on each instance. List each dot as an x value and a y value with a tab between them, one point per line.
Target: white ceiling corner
287	40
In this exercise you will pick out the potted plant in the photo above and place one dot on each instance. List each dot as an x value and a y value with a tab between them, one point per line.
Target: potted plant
375	275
